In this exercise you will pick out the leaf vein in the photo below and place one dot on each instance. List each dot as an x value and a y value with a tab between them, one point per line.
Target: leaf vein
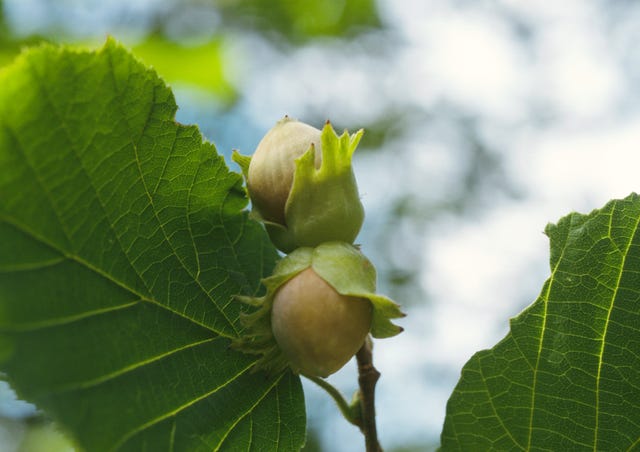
100	272
179	409
625	254
495	412
31	266
127	369
50	323
161	225
72	147
249	411
545	298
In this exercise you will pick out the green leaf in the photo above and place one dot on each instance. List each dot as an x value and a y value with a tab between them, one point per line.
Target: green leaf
123	240
567	376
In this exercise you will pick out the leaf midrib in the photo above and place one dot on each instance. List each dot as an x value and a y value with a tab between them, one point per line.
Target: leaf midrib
97	381
195	400
552	280
134	144
106	276
250	410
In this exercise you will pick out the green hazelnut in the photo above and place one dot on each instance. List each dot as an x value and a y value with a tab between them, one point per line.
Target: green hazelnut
319	306
272	166
302	185
318	329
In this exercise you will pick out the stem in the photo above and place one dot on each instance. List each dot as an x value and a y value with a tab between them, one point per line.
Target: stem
345	409
364	417
367	378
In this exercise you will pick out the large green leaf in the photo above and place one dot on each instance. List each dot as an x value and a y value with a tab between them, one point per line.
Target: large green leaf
123	239
567	376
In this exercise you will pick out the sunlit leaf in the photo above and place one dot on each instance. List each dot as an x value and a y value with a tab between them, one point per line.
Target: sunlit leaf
123	239
567	376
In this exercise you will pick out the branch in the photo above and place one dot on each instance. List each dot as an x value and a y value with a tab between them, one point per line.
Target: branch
361	412
367	379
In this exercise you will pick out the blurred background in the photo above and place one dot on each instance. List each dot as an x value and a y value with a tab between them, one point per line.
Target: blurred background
484	121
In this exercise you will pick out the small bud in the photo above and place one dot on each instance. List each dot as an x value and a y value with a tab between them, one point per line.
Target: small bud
302	185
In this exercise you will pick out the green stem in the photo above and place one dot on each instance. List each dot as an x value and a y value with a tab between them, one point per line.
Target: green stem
342	403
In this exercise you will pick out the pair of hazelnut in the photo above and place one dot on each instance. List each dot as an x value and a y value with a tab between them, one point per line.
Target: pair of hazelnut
321	302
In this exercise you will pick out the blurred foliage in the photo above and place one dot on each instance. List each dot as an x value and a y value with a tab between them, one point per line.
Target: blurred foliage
416	448
298	22
283	21
3	24
10	45
34	434
44	436
185	39
200	65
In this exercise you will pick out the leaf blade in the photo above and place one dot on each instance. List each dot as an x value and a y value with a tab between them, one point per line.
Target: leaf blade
124	240
566	376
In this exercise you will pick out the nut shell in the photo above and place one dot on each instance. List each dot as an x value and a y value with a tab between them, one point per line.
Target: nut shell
272	166
318	329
